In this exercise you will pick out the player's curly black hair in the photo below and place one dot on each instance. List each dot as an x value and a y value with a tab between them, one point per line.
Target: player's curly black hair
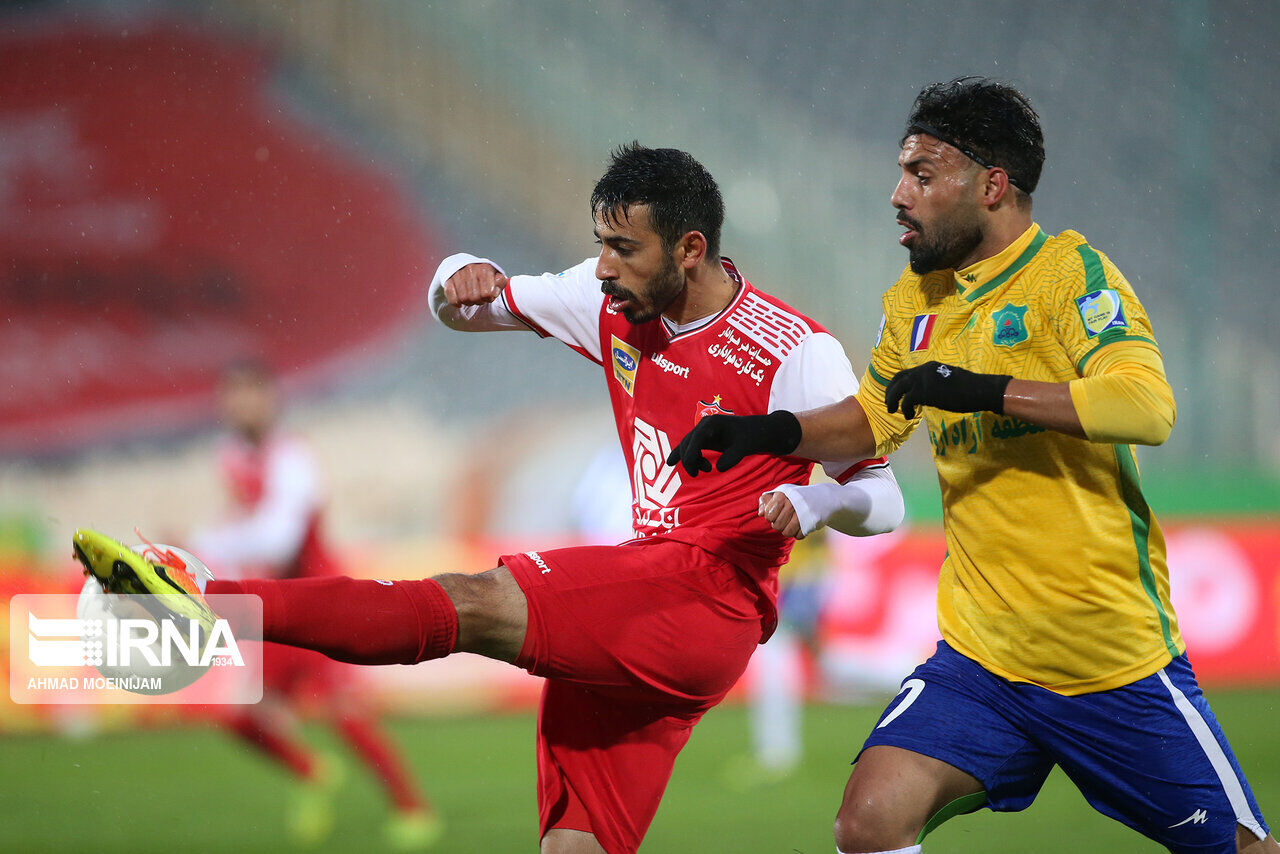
681	194
991	122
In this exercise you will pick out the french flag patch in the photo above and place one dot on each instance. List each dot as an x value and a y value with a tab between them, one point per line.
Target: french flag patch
922	330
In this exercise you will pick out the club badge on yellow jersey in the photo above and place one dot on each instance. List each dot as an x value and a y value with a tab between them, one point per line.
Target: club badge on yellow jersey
1010	327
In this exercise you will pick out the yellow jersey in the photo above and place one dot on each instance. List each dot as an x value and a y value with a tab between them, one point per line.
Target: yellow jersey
1055	571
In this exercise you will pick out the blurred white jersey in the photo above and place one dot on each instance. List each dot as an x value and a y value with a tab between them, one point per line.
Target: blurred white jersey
275	521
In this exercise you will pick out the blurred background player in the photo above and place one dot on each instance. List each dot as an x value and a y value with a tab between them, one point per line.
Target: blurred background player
781	671
275	529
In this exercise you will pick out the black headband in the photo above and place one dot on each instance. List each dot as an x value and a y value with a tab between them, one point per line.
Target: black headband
921	127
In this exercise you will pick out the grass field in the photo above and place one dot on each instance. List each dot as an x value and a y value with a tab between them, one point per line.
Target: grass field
194	789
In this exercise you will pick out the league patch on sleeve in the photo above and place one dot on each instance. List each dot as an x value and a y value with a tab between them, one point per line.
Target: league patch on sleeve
880	333
1100	311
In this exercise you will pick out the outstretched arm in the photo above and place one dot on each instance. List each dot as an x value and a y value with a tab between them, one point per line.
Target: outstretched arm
464	295
1124	397
867	504
838	430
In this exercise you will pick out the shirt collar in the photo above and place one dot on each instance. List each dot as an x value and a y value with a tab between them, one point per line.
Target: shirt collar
974	278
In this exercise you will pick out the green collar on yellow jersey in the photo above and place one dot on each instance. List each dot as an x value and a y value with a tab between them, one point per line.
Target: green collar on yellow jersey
997	269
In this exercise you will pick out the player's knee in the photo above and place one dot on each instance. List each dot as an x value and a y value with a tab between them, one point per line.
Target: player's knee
492	614
859	829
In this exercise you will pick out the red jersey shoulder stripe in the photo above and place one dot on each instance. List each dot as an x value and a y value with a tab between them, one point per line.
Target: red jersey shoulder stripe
510	302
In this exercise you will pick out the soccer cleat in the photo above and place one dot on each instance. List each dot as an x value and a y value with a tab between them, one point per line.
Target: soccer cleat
310	816
413	830
156	571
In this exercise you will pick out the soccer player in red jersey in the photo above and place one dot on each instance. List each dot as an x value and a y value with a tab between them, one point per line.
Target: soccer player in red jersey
636	641
275	530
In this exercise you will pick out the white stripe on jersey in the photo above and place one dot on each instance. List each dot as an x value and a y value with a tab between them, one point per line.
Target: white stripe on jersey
776	330
1218	759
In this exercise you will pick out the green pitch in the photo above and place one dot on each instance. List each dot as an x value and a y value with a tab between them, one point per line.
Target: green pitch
194	789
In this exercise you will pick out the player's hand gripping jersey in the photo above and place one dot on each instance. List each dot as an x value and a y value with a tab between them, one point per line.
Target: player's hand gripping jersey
1077	599
756	355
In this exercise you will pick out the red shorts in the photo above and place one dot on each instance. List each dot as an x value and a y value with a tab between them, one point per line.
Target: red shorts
637	641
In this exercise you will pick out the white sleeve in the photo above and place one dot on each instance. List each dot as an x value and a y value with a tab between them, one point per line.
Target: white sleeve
272	534
816	373
869	503
563	305
866	499
491	317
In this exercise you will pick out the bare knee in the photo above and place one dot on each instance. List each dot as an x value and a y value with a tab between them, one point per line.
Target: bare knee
560	840
492	612
890	796
861	828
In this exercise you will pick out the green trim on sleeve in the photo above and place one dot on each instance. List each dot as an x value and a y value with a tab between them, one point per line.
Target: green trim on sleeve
876	376
1018	263
1095	277
1140	521
1111	339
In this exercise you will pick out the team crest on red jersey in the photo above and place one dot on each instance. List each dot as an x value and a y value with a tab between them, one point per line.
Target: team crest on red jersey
712	408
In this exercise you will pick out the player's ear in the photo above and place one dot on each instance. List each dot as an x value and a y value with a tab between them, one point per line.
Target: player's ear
690	249
996	188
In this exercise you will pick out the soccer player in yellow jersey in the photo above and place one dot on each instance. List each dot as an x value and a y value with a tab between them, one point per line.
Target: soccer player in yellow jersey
1034	369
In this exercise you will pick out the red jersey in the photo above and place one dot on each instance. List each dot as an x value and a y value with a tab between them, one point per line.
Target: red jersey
755	356
275	527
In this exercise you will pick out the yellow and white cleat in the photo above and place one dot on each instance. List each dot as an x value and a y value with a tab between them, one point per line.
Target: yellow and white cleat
157	570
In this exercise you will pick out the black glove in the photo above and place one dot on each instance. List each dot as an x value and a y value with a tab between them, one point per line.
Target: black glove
736	436
946	387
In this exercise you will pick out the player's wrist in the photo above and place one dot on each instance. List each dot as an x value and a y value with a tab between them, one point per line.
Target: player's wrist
781	433
988	392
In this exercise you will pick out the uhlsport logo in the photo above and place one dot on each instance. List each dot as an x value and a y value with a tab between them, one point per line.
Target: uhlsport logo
668	366
122	643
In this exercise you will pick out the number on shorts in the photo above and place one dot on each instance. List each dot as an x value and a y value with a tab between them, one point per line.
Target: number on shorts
912	688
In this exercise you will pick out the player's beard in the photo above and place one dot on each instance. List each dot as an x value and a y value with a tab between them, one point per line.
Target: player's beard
660	291
944	244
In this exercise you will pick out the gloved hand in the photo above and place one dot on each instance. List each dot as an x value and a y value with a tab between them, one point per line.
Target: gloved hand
946	387
736	436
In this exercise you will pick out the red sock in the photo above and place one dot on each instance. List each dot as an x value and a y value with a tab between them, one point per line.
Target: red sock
363	622
365	738
285	750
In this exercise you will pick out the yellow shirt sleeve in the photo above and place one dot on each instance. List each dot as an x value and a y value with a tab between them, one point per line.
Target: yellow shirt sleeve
1124	397
889	428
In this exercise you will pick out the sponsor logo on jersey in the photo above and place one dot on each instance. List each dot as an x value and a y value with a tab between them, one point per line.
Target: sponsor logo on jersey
625	361
669	366
653	482
1010	326
1100	311
922	331
712	408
